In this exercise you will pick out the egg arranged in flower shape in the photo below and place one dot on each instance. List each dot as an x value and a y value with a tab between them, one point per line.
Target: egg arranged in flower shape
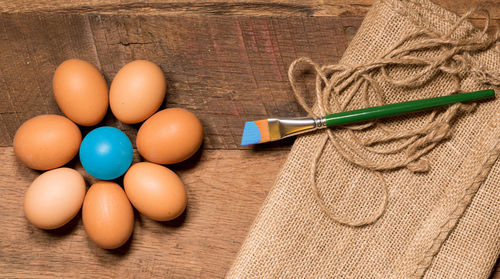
155	191
170	136
47	141
108	217
54	198
137	91
106	153
81	92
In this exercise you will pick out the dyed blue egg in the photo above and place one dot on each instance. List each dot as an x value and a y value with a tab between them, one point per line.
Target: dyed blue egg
106	153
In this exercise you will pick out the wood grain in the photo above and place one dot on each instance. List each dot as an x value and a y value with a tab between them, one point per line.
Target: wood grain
253	8
227	70
225	190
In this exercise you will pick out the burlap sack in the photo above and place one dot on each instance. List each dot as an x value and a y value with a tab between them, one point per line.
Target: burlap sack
439	223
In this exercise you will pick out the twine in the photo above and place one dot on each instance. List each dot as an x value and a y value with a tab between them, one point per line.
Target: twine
454	60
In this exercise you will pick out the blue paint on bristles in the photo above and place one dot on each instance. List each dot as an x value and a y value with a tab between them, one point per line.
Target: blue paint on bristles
251	134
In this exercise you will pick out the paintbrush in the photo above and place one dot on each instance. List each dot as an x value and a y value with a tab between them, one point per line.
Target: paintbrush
274	129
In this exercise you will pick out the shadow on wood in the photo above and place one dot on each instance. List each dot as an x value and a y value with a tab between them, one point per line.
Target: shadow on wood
190	162
177	222
67	229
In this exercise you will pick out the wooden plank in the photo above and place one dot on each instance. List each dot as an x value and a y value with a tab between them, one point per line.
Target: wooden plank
225	190
226	69
219	7
31	47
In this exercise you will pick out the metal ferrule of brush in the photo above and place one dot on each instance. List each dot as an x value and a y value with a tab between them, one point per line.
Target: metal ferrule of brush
280	128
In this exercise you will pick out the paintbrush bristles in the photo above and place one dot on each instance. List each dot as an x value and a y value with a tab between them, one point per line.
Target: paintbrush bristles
255	132
263	126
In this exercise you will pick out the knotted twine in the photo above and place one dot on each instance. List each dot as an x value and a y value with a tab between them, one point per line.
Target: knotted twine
333	81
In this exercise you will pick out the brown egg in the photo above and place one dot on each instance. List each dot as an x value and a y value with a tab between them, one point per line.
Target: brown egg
137	91
107	215
170	136
54	198
47	141
81	92
155	191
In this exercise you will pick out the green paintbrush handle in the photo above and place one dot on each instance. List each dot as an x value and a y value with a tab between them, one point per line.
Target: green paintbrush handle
372	113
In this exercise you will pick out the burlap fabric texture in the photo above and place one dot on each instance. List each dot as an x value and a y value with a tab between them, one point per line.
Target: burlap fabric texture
423	203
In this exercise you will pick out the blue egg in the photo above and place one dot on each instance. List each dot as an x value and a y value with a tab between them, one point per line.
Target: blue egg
106	153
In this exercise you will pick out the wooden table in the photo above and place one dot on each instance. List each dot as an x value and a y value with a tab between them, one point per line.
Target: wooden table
225	61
